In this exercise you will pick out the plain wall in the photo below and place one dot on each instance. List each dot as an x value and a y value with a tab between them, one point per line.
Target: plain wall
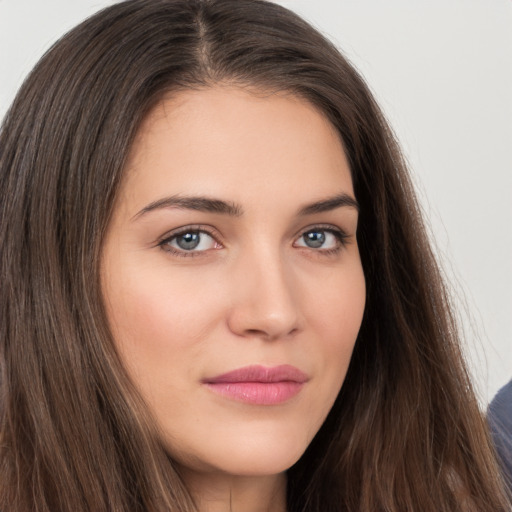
442	72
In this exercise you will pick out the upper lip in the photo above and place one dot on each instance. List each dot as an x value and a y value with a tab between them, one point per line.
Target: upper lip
257	373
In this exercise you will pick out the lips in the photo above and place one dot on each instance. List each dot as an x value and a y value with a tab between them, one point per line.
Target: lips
259	385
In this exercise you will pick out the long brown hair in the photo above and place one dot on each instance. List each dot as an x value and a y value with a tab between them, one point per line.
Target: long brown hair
405	432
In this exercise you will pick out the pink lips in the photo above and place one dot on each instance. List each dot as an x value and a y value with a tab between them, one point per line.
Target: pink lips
259	385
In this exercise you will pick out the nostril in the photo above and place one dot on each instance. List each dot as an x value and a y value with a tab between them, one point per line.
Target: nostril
270	334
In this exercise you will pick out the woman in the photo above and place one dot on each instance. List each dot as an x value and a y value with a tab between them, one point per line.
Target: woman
217	292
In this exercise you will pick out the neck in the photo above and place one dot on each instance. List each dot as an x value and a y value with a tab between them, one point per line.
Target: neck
228	493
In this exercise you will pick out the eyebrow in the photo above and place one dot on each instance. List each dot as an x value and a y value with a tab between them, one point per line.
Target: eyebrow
331	203
212	205
202	204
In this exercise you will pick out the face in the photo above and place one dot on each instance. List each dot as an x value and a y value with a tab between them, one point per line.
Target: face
232	278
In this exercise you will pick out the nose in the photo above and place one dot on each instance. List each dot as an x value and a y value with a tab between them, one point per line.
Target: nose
264	303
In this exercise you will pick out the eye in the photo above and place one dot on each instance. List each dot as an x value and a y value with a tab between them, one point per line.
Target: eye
322	238
189	241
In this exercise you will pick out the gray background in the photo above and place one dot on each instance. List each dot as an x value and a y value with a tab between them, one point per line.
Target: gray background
442	71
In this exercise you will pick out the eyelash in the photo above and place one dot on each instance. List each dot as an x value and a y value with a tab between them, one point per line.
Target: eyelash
341	237
168	238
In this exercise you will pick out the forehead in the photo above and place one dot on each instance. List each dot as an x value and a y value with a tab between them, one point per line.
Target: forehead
228	140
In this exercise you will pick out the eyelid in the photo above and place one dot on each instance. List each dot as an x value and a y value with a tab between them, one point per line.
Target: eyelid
341	235
322	227
198	228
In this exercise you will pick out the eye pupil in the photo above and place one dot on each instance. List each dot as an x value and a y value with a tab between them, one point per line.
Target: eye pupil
314	239
188	241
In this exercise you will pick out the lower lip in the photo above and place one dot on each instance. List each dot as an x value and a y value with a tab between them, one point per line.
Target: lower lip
257	393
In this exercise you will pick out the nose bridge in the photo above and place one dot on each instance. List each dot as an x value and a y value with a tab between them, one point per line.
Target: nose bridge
264	303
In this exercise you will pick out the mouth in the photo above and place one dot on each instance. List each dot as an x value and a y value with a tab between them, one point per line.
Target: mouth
259	385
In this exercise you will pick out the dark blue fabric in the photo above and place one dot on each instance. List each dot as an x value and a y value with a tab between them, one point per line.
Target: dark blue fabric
500	421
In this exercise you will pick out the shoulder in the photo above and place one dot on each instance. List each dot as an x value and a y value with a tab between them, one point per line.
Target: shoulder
500	409
500	422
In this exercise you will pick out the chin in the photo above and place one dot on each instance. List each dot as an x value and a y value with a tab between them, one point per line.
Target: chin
250	455
263	462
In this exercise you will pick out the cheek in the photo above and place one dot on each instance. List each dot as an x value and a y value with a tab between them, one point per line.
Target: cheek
336	308
335	315
161	322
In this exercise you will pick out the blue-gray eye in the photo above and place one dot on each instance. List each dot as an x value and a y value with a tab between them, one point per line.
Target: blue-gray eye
191	241
314	239
188	241
318	239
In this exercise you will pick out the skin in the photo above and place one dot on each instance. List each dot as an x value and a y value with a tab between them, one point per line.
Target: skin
254	291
